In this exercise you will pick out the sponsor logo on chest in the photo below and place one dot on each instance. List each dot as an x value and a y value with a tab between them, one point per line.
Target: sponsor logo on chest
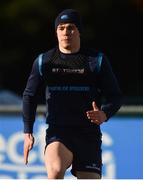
68	71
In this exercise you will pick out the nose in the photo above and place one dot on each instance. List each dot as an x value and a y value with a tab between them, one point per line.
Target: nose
66	31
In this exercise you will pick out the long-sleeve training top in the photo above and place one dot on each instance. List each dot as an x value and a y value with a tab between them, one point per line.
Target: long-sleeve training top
72	82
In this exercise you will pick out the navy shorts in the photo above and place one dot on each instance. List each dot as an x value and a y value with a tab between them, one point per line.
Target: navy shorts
84	143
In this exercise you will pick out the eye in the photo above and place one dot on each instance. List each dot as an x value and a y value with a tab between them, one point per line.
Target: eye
61	28
70	28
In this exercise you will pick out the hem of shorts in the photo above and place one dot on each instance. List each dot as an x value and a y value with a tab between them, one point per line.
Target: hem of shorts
57	140
86	170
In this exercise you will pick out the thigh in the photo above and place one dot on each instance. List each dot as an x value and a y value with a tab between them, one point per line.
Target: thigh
58	155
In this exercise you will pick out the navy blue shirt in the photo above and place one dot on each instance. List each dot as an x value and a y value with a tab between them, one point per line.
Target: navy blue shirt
72	82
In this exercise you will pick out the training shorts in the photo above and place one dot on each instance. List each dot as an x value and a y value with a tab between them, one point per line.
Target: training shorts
84	143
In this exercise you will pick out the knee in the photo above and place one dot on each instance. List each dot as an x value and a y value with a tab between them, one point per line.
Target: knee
55	171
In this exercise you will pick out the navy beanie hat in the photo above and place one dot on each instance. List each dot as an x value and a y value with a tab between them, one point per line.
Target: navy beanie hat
69	16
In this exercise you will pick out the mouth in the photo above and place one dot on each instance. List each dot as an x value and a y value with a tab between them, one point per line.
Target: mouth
66	38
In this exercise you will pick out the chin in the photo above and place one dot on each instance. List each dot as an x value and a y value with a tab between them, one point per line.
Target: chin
67	46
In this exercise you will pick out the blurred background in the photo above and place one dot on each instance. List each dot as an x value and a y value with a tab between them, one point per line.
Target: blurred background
27	29
114	27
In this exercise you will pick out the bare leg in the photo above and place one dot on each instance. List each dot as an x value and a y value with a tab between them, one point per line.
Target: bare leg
57	159
87	175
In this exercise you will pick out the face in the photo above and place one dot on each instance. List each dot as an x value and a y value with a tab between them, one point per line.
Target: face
68	36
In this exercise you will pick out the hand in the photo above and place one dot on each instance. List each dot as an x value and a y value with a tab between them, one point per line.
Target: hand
96	115
28	145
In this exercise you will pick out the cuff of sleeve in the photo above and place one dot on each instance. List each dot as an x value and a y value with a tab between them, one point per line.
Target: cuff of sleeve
28	128
106	112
